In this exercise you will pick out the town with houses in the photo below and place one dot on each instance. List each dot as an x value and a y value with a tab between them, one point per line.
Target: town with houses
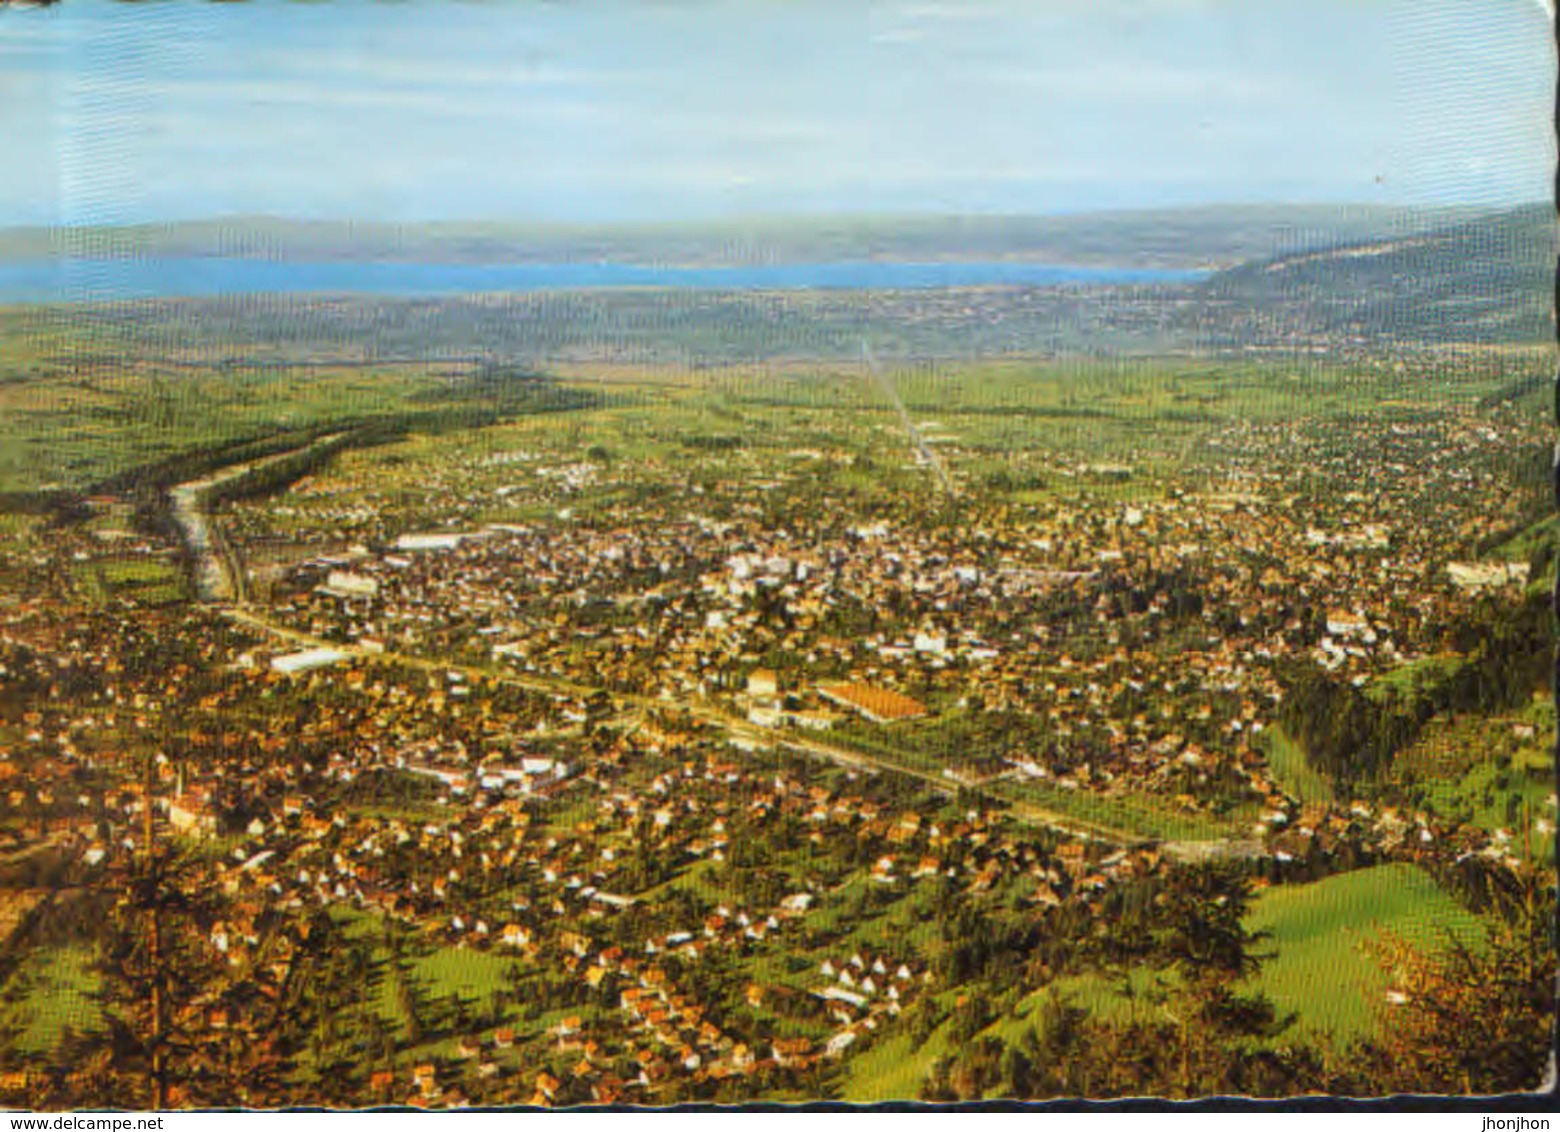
500	773
758	557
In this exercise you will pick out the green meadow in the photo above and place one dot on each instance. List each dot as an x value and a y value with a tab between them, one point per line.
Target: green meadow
1293	771
1323	968
53	992
1320	939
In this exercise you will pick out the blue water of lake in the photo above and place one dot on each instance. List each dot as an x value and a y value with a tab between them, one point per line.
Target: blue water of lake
83	279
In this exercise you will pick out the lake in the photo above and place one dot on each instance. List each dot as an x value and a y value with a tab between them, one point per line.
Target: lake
65	280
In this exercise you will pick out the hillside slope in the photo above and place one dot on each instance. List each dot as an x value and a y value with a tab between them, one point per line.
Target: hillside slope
1485	280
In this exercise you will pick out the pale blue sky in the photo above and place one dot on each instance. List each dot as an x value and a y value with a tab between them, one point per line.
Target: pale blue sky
584	111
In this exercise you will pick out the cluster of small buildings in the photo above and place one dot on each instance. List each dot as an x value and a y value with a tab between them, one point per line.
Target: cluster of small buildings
535	741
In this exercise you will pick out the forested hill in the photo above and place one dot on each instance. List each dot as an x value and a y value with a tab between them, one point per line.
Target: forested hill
1489	279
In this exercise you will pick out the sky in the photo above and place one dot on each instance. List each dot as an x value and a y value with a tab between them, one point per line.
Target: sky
587	111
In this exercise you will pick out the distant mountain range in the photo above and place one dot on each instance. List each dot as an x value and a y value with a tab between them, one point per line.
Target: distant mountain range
1206	237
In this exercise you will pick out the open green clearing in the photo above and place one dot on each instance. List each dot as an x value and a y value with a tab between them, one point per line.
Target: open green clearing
53	992
1321	934
149	581
1495	772
462	972
1321	967
437	972
1293	771
1405	678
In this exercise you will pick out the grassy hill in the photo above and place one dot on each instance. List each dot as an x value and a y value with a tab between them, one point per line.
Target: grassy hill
1322	967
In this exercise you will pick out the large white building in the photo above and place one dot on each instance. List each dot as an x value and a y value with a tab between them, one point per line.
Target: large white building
344	583
308	659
